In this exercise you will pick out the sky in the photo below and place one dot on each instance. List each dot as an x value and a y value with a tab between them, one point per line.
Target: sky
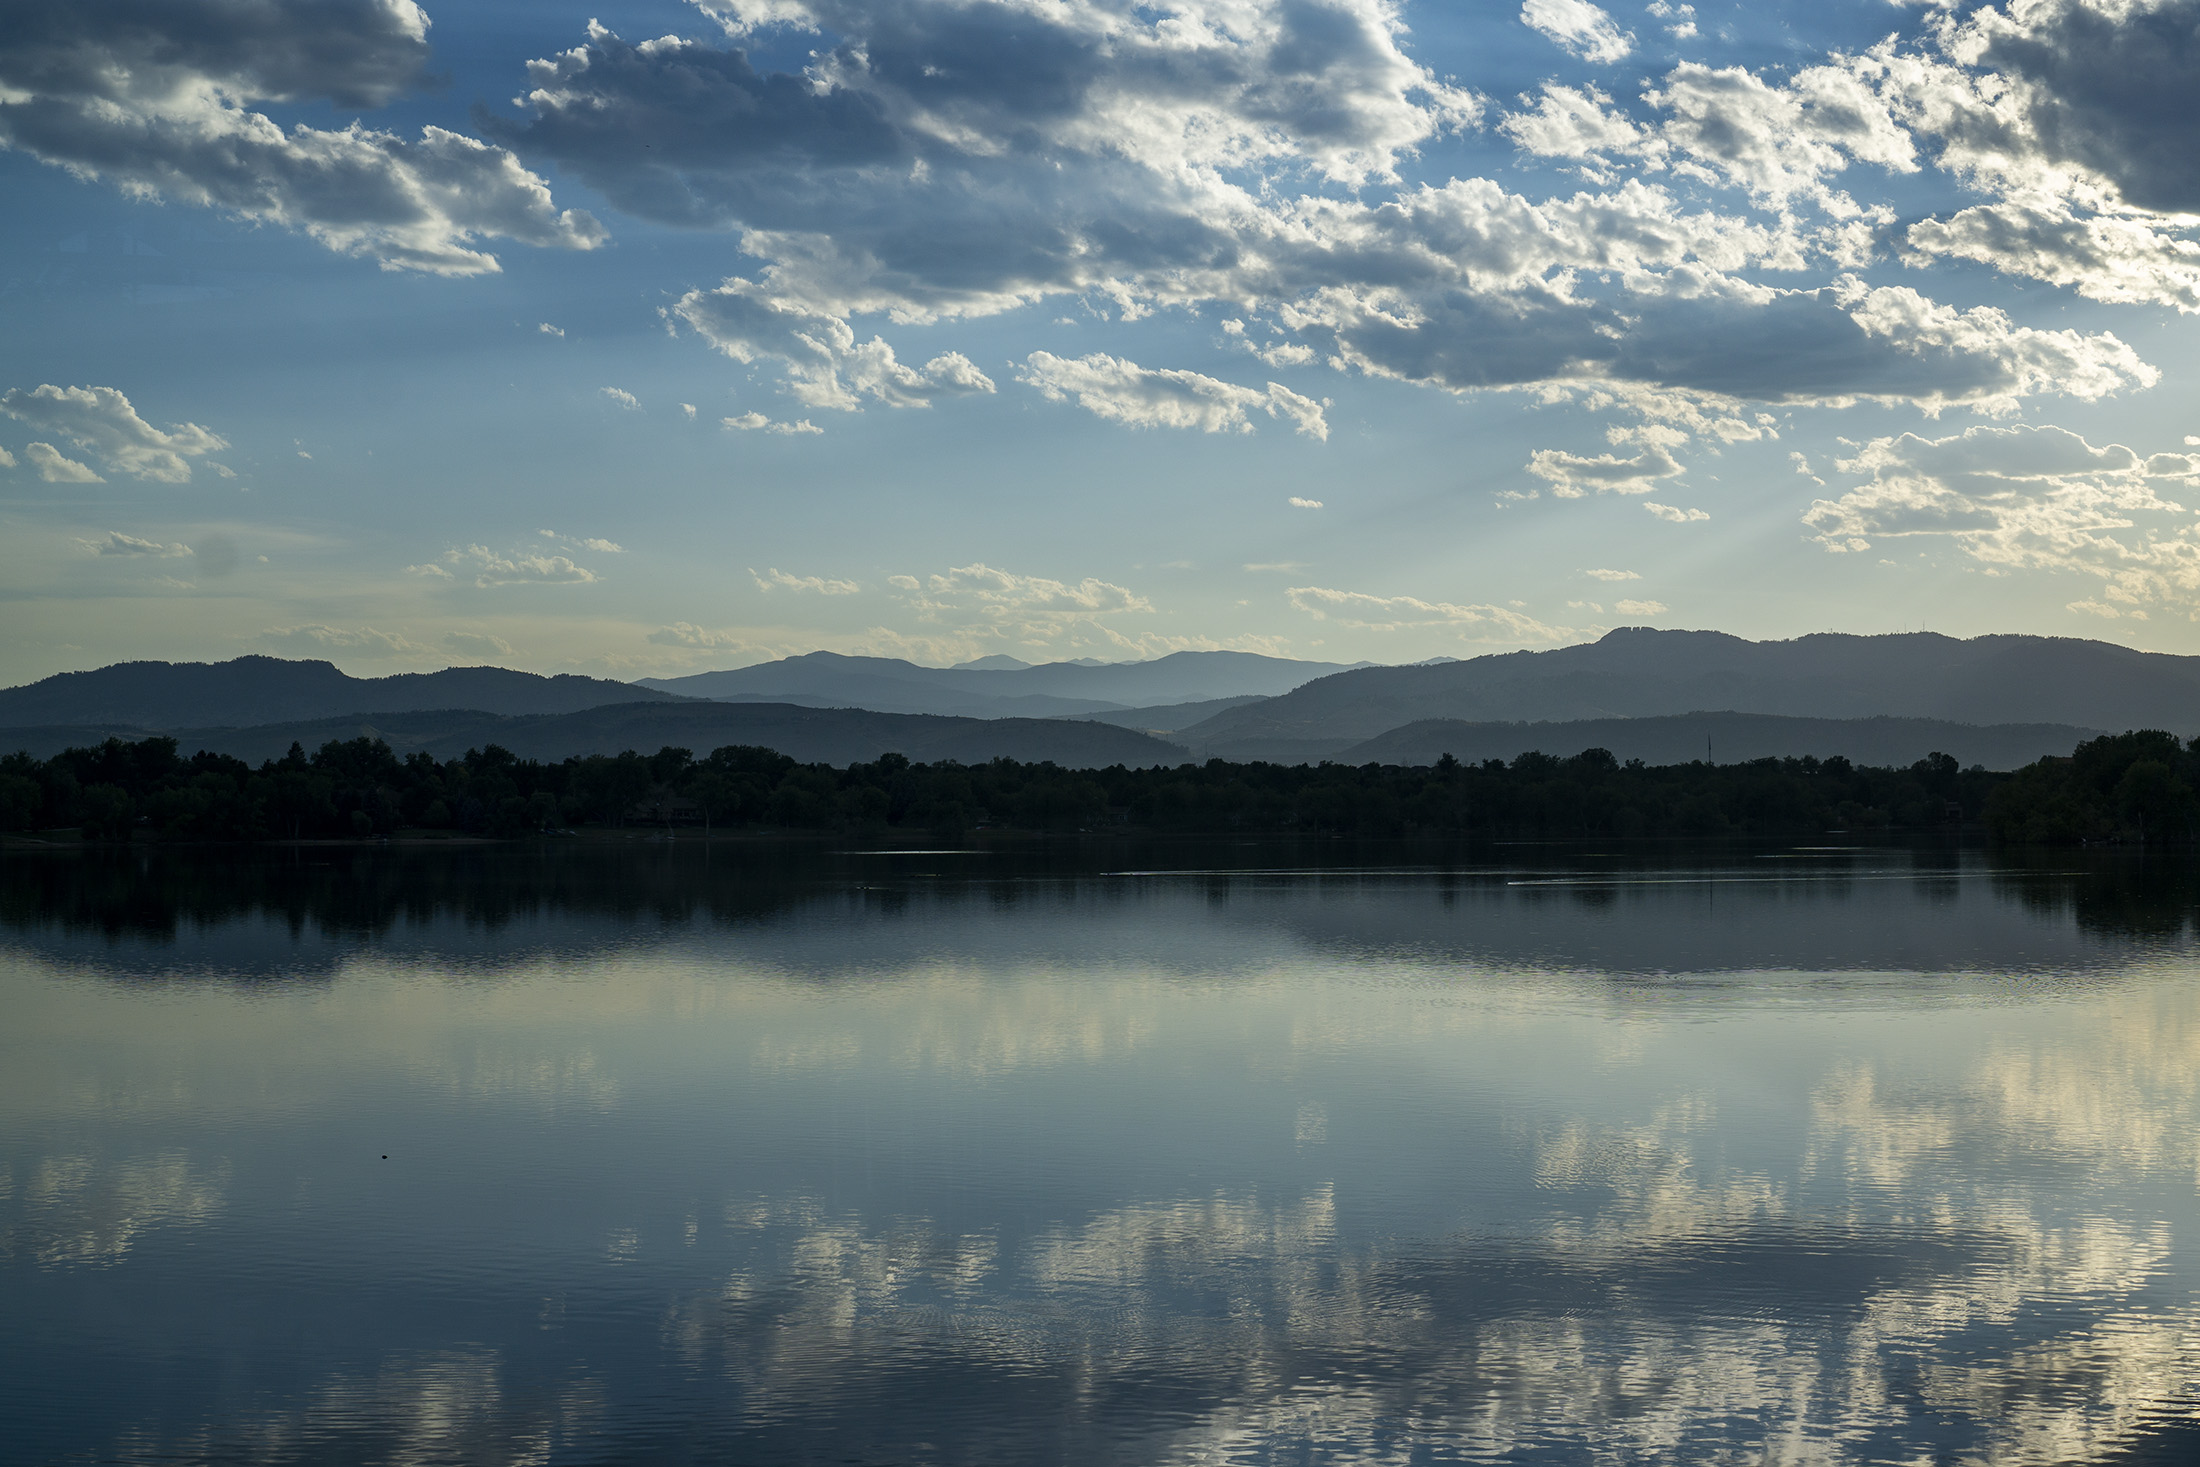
644	338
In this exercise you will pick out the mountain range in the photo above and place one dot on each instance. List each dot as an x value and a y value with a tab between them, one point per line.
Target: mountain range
1640	672
1000	687
1642	693
250	690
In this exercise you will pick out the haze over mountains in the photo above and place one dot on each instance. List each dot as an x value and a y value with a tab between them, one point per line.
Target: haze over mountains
249	690
1639	672
1001	687
1662	696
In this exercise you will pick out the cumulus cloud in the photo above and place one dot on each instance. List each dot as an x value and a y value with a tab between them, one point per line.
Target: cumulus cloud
494	568
1612	575
777	579
157	99
1160	397
2027	498
622	397
1573	474
101	421
549	330
314	639
1476	623
1172	157
118	543
1297	503
584	542
1579	27
686	634
826	366
758	423
982	602
56	467
1675	515
1640	608
476	644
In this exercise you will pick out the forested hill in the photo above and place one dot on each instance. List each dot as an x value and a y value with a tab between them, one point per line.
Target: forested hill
1637	672
250	690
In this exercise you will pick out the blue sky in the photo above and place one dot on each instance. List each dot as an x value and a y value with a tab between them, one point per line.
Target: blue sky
642	339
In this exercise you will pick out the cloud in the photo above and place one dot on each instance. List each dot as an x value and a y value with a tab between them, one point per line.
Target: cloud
1274	565
549	330
1476	623
118	543
826	366
982	603
1640	608
56	468
156	99
688	634
1612	575
1297	503
1579	28
1572	474
101	421
477	644
314	639
2040	498
1179	158
757	422
775	578
622	397
516	568
7	459
1156	397
2114	258
604	547
1676	516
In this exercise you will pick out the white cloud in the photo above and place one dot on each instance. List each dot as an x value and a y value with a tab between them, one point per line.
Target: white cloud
1159	397
585	542
622	397
1297	503
1572	474
118	543
2116	258
687	634
757	422
313	640
549	330
1580	28
2028	498
775	578
101	421
7	459
1674	515
56	468
157	100
1170	166
1479	623
1612	575
477	644
826	366
982	603
516	568
1640	608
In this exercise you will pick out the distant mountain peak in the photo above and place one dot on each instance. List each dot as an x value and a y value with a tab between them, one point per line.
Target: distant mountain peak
998	662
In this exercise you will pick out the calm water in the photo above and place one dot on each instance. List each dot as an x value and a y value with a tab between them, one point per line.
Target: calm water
1127	1155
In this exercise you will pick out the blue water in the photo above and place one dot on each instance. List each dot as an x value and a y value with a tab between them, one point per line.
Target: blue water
1099	1155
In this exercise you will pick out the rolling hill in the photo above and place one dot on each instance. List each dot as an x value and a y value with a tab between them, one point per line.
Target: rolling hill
1638	672
252	690
991	690
811	735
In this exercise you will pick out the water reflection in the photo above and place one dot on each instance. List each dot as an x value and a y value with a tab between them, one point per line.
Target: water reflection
1200	1156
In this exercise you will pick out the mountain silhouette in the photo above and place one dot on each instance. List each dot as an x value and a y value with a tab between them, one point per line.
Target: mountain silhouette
990	688
1641	672
250	690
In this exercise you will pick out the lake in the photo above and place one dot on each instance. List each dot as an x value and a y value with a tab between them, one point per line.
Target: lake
1109	1153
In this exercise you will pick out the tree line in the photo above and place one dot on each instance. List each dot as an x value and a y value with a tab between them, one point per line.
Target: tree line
2128	787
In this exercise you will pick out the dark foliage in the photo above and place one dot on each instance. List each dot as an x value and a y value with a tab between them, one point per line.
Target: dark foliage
360	789
2131	787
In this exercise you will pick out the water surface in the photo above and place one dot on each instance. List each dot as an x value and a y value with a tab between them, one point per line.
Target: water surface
1099	1154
